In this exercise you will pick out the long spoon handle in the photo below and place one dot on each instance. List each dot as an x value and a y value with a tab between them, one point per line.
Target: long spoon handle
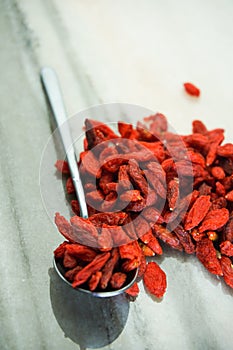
53	91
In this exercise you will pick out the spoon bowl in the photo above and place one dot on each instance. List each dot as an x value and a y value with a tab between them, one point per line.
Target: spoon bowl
131	278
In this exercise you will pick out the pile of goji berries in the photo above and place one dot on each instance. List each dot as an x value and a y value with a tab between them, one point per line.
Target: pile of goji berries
144	186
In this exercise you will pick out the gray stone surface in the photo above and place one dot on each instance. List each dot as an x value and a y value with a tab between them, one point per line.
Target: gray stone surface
104	51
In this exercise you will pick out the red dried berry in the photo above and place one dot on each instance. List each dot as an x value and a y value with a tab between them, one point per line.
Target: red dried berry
191	89
155	280
198	212
207	255
227	269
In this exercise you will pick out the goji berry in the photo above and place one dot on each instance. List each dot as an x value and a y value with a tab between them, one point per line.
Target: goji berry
69	275
81	252
63	167
229	196
125	129
133	291
60	250
158	123
199	127
75	207
94	280
167	237
185	240
207	255
226	248
214	220
108	268
70	186
155	280
197	212
69	261
117	280
191	89
151	241
227	269
225	150
228	229
130	250
218	172
97	263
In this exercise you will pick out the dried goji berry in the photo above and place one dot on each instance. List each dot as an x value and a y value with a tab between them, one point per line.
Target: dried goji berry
185	240
75	207
218	172
207	255
146	250
214	220
198	141
133	291
159	123
123	178
81	252
90	164
226	248
227	269
125	129
104	180
199	127
108	268
142	266
105	241
94	280
156	151
117	280
156	183
69	275
131	196
63	167
220	189
229	196
130	250
83	231
152	215
97	132
69	261
64	227
60	250
70	186
144	134
137	177
151	241
173	193
198	212
191	89
167	237
225	150
97	263
155	280
228	229
119	236
218	203
130	264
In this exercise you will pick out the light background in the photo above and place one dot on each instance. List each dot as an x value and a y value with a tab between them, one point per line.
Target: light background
138	52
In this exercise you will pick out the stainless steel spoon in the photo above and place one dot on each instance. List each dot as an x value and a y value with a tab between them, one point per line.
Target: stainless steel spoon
52	89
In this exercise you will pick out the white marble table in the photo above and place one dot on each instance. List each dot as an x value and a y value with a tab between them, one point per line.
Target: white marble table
138	52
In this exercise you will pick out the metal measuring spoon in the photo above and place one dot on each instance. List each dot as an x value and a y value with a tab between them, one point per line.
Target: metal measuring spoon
53	92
